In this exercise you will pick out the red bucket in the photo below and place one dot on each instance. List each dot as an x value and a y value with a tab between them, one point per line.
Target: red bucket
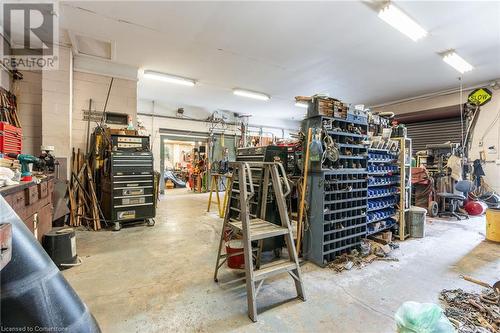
237	261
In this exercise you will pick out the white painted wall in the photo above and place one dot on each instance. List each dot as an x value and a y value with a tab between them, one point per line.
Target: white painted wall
57	105
486	117
4	79
86	86
29	105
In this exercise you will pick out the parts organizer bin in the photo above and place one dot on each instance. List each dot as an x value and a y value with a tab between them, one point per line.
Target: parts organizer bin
337	192
383	190
337	215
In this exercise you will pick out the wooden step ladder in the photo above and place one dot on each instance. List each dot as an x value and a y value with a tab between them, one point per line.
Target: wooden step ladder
257	229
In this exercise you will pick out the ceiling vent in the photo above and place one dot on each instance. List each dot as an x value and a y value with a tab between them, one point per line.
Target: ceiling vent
85	45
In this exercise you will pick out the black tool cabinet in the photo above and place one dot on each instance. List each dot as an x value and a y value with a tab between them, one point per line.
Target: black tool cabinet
128	188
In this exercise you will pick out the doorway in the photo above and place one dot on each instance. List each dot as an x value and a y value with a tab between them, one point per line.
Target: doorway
183	157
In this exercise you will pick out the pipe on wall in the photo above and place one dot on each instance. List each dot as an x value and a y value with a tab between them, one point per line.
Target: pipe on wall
204	121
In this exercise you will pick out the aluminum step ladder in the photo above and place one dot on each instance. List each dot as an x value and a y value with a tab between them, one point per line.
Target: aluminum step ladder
257	229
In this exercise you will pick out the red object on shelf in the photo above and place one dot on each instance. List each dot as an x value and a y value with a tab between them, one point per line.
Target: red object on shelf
11	139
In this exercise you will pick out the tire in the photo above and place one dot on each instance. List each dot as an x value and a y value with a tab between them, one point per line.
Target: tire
433	209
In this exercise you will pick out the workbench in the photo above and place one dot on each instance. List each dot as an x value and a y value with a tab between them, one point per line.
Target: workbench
32	203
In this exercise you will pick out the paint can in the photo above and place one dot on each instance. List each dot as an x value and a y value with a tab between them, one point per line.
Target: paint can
235	261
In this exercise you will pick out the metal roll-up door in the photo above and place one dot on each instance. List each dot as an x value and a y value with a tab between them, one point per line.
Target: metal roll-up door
433	126
434	132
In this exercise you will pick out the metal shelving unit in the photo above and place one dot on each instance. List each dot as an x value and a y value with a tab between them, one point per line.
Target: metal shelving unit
363	192
404	160
383	190
337	195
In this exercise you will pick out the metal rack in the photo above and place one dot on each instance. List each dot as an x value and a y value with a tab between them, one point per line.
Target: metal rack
383	190
337	195
404	160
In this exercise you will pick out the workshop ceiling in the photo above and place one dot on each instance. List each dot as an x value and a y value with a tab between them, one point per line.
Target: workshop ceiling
286	49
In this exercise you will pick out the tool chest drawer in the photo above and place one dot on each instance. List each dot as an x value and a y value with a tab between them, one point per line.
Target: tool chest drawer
128	163
129	177
132	213
132	160
132	200
120	157
132	190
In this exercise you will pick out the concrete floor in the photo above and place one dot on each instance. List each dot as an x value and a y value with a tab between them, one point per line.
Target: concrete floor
159	279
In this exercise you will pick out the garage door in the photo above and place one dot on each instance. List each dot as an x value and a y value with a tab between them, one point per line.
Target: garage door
433	126
434	132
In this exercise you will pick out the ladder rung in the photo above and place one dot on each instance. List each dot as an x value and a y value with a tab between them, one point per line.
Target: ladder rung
239	211
260	229
237	182
253	202
274	268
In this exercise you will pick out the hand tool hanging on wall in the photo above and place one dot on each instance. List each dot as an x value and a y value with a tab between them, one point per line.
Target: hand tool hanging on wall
103	119
88	128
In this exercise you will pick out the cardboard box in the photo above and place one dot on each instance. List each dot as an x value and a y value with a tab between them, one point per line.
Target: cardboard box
387	236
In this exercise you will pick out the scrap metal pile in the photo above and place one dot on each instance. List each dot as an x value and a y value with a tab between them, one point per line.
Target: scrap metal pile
472	312
370	251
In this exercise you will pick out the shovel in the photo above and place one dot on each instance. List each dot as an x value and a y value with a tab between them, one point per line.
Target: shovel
495	287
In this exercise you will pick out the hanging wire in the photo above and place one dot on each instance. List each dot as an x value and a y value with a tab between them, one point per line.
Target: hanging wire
461	111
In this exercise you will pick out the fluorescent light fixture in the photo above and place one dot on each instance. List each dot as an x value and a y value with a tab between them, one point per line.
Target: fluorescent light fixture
402	22
169	78
302	104
457	62
251	94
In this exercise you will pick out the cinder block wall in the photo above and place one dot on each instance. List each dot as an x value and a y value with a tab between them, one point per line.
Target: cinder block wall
29	104
86	86
4	79
56	105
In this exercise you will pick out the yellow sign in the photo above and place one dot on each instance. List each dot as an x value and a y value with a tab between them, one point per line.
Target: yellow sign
480	96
